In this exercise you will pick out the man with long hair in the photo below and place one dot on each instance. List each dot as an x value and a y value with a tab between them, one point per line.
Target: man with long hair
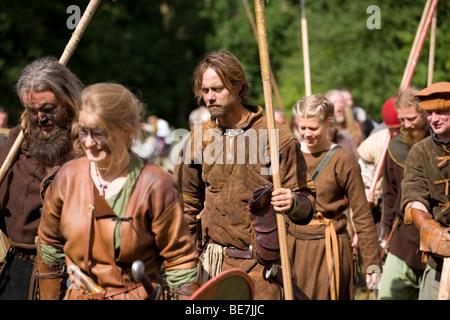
220	169
50	94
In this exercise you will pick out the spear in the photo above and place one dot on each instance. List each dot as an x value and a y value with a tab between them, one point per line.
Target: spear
68	51
305	47
422	31
255	32
265	73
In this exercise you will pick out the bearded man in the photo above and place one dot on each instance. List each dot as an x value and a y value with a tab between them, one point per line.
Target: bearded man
426	199
50	94
402	272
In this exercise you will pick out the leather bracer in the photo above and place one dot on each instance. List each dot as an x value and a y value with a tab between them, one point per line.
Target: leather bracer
52	279
435	239
184	291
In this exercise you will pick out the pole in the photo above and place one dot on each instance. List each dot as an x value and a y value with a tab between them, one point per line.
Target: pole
305	47
255	33
274	156
410	66
444	285
68	51
420	42
432	48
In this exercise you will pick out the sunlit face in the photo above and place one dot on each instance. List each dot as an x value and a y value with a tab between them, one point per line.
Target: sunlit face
219	100
44	109
409	117
313	131
440	123
339	107
99	146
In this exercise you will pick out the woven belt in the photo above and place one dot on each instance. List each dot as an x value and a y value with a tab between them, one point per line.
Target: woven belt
331	251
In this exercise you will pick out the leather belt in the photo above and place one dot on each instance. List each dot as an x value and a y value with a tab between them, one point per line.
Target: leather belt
236	253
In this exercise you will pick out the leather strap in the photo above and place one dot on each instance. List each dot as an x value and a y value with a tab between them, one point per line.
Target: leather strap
331	251
236	253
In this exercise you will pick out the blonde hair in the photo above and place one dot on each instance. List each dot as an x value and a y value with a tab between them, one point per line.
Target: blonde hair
113	108
315	106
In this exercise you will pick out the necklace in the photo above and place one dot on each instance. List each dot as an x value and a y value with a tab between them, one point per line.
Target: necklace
104	186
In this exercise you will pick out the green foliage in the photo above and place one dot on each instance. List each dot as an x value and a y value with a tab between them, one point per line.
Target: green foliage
153	46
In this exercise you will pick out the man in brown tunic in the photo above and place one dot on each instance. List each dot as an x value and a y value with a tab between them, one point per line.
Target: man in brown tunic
50	93
402	271
426	197
225	161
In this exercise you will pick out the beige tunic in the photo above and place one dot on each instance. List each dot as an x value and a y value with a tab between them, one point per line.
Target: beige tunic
338	186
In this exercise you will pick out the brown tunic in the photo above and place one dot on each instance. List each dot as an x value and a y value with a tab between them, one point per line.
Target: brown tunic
219	187
155	230
338	186
404	242
19	195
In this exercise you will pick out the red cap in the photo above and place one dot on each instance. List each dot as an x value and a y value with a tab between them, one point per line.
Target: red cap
389	113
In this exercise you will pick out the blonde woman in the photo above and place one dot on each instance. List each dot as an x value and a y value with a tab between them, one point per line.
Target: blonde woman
321	251
110	208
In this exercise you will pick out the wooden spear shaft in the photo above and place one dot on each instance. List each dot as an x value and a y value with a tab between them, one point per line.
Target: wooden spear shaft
68	51
274	156
409	70
432	48
255	33
305	47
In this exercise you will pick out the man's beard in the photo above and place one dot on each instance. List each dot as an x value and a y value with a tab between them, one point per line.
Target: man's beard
412	136
51	149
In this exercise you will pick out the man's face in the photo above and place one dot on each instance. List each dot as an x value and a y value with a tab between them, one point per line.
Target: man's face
440	123
218	99
339	106
44	110
414	124
50	125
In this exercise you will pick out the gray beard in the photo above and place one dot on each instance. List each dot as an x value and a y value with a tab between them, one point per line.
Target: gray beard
52	149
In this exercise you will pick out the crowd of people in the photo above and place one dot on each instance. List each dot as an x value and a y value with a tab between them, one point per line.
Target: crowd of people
94	189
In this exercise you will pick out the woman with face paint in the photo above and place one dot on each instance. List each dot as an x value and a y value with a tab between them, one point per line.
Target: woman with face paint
110	208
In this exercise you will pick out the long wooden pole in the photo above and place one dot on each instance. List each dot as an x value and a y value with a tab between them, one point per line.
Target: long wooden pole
255	33
274	156
416	39
68	51
305	47
409	70
432	48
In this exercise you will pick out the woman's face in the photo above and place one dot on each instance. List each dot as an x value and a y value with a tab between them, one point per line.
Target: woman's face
313	131
96	143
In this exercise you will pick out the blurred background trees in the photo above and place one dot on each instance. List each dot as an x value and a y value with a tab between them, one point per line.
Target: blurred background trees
153	46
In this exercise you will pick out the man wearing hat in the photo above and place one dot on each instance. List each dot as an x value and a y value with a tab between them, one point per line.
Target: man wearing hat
426	198
403	268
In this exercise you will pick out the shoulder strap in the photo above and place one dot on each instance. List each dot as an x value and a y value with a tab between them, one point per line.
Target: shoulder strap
324	162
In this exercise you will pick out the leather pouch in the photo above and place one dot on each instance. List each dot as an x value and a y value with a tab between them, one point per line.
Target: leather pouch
266	247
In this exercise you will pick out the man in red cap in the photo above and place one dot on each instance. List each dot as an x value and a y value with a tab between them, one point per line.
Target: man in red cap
403	268
426	198
370	150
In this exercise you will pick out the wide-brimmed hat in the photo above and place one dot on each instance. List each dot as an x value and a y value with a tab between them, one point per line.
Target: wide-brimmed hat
435	97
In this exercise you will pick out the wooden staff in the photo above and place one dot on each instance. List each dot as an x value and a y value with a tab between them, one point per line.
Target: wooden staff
416	39
274	156
255	33
420	42
68	51
432	48
444	285
305	47
409	70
